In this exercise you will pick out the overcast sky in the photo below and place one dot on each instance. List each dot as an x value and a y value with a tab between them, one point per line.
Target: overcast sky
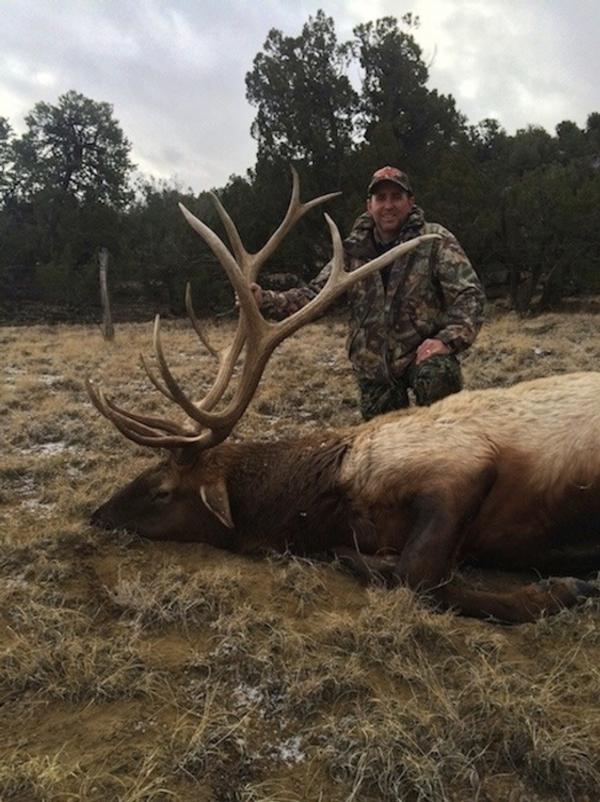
174	69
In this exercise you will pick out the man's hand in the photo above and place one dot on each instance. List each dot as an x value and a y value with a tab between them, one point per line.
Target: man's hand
430	348
256	292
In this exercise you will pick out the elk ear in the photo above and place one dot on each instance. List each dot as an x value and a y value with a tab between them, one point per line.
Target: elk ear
216	498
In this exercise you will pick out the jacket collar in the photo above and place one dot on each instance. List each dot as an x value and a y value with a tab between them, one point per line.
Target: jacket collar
361	240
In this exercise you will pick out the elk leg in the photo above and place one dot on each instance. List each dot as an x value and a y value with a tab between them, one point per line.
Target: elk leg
366	567
429	555
520	606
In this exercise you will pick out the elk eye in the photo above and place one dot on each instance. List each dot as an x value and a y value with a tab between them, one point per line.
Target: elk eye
162	496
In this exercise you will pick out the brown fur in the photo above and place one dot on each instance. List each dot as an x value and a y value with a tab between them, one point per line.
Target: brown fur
504	476
286	495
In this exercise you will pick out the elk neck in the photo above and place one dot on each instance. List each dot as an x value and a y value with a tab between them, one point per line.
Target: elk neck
285	494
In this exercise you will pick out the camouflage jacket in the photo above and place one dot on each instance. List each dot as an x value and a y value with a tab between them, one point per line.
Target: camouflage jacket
431	292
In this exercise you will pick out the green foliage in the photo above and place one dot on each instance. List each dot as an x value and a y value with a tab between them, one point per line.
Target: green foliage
531	148
305	102
64	183
161	253
57	282
75	148
552	225
394	91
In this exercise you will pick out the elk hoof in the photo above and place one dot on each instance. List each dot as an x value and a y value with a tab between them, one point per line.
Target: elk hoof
569	590
585	590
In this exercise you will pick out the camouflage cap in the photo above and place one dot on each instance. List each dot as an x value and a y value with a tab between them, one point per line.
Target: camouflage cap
392	174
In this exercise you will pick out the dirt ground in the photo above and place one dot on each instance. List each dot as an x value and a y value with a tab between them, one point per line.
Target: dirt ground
134	670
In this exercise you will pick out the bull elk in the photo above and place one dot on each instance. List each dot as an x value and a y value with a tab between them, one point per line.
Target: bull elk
509	478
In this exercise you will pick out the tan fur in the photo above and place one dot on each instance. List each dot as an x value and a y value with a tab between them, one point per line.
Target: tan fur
543	436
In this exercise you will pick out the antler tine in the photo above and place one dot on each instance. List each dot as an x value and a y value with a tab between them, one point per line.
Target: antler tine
196	323
241	254
150	374
251	264
144	429
150	421
104	406
339	281
151	424
200	414
227	365
242	271
227	358
337	259
240	283
227	361
296	210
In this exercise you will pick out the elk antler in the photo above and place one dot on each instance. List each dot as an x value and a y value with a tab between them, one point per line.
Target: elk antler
256	335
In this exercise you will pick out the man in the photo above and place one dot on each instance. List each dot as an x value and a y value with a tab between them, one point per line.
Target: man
409	321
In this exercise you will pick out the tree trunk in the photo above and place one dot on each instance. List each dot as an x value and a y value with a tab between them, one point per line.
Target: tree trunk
553	289
108	330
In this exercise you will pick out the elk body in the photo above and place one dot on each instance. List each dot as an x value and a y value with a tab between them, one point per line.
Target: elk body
509	478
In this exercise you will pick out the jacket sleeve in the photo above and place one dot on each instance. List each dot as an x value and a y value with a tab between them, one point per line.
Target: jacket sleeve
462	292
279	305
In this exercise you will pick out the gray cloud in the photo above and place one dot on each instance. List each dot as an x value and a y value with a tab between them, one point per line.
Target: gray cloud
526	62
174	70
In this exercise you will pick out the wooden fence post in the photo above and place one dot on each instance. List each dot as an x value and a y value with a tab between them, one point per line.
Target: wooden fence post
108	330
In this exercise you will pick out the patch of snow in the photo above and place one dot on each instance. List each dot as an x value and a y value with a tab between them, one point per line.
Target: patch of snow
15	584
12	372
38	507
50	378
248	694
290	751
48	449
26	486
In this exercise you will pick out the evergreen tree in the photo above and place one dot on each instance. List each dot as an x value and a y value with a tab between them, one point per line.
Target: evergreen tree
305	101
74	148
397	110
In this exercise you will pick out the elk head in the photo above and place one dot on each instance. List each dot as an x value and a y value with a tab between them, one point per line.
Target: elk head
187	496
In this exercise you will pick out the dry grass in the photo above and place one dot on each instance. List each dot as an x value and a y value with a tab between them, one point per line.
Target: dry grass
150	671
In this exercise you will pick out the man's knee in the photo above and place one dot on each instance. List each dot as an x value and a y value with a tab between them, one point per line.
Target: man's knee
435	378
377	398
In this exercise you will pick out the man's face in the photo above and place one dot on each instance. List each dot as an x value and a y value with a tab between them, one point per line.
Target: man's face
389	206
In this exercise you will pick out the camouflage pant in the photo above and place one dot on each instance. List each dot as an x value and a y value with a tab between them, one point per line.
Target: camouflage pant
431	380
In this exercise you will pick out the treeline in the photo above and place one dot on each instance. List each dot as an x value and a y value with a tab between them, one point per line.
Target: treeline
526	206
